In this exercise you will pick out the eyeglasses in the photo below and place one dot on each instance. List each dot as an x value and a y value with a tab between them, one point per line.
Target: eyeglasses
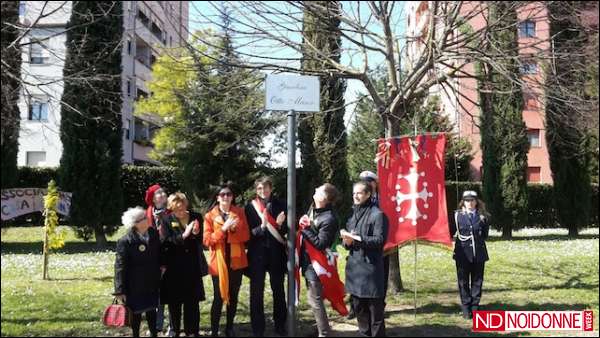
225	194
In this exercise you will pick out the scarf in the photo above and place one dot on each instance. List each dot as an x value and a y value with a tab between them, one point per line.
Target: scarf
235	252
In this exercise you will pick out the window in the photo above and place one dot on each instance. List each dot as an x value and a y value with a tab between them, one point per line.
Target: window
128	47
36	158
128	88
127	129
529	101
534	174
38	53
528	68
38	109
533	135
143	18
142	130
527	29
22	8
141	94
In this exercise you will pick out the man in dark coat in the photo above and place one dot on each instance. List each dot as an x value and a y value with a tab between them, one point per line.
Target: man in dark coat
471	227
266	253
365	235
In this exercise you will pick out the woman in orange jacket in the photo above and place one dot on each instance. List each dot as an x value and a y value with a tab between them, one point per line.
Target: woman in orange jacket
225	234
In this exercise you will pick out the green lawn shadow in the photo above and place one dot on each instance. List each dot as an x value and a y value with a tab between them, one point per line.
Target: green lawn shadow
37	247
550	237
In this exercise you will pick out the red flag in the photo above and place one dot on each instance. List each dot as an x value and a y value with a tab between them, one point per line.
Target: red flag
325	265
412	189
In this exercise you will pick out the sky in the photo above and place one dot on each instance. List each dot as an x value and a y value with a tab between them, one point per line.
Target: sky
202	13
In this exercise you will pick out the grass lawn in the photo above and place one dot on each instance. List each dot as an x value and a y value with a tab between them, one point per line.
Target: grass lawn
537	270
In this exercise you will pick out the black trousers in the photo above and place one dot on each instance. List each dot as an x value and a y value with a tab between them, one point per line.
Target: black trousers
370	316
386	274
258	271
191	317
470	282
136	321
235	281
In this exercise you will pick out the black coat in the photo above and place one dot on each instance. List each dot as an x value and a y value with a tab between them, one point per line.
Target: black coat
321	234
262	245
364	267
137	264
182	281
478	227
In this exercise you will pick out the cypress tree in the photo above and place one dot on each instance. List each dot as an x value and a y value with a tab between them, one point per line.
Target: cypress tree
91	126
504	140
322	135
11	73
568	143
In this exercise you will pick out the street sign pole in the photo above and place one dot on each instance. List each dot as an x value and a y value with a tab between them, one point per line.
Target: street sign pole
292	93
291	220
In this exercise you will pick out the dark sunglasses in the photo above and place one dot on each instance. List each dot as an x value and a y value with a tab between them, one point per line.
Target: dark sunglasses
225	194
469	199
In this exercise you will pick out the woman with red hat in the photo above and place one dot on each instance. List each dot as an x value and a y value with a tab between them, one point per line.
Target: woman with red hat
156	200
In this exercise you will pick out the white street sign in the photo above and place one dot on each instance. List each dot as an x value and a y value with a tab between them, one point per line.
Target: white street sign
292	92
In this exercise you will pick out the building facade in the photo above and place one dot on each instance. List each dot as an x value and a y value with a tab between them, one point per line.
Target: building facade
150	28
459	98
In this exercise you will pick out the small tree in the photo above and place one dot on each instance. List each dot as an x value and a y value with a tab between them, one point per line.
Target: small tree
52	238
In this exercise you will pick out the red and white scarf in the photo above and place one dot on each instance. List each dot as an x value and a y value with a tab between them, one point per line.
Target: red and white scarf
325	265
267	219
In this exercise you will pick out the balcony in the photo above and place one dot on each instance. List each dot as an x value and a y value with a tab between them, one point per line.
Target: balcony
149	30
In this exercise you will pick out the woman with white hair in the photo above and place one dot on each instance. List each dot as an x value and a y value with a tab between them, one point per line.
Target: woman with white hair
137	269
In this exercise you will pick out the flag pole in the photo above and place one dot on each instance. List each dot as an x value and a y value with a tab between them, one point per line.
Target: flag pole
415	300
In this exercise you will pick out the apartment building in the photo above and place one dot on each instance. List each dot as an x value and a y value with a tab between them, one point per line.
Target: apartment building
149	29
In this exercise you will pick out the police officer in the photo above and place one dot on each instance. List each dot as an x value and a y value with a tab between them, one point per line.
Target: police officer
469	225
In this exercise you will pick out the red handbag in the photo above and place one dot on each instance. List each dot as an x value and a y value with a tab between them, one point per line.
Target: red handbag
116	315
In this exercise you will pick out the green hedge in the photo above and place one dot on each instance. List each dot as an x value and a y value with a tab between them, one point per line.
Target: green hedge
137	179
541	212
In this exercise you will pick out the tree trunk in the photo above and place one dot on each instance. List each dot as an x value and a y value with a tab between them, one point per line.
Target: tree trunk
395	277
573	231
507	231
45	254
101	241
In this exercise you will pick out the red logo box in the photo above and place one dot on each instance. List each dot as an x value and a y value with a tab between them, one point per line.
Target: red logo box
486	321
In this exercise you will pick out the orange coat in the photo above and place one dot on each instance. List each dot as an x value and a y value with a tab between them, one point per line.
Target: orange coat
214	237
